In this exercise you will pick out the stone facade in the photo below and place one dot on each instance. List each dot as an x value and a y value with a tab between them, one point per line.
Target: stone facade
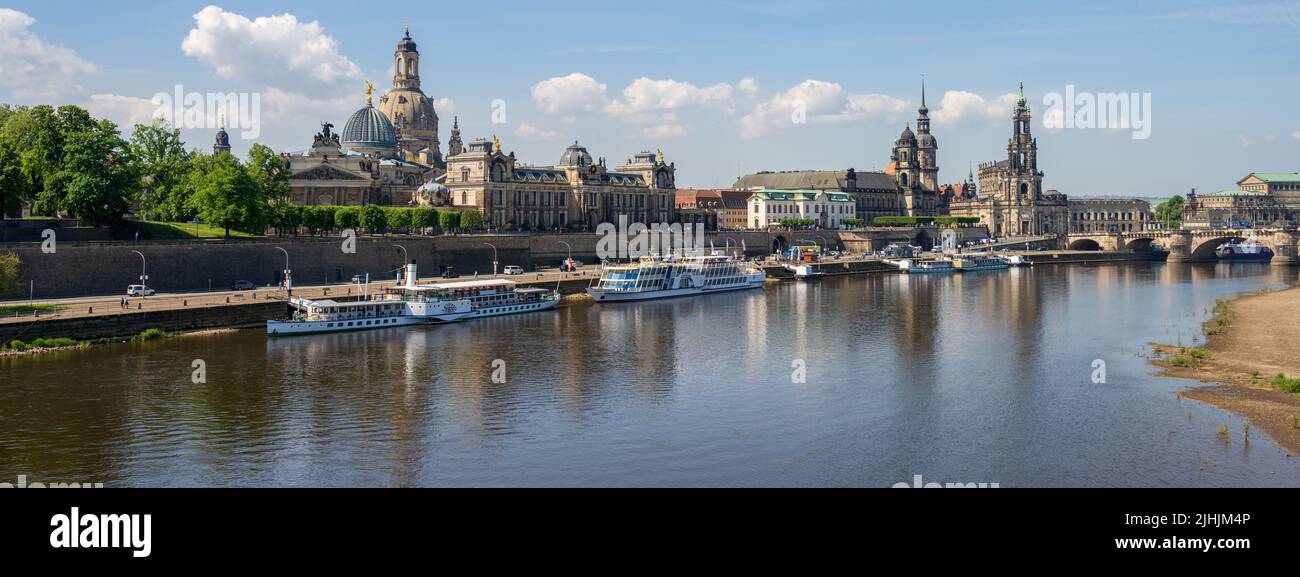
577	193
1010	199
411	112
827	209
1233	208
1110	215
873	193
327	175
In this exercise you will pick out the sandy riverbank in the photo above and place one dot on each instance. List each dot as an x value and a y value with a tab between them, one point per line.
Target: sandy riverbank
1248	342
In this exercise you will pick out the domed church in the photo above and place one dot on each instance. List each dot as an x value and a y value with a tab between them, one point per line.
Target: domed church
409	110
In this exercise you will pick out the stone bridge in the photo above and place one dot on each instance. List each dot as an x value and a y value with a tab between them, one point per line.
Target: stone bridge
1189	245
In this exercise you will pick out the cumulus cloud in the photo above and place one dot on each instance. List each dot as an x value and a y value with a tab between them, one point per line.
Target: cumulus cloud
960	106
645	95
526	130
32	68
818	101
126	111
570	94
663	131
268	49
748	86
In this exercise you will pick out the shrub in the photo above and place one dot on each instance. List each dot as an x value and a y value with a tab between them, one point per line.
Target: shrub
151	335
53	343
1196	353
1290	385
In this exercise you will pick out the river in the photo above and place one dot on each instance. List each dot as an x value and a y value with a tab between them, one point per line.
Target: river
851	381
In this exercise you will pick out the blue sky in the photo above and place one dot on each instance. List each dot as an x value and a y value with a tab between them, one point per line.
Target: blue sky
713	83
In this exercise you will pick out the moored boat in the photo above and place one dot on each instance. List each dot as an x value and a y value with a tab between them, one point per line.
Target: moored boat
923	266
673	276
1244	250
979	263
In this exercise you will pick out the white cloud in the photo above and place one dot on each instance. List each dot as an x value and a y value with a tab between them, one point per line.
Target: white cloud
278	50
818	101
526	130
663	131
284	108
1296	135
126	111
1054	120
32	68
645	95
748	86
959	105
444	107
570	94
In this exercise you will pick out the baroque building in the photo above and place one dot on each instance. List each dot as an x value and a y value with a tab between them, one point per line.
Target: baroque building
915	165
578	193
1010	200
408	109
332	172
1260	199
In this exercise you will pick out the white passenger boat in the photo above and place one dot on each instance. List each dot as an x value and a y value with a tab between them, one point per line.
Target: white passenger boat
673	276
919	266
412	304
979	263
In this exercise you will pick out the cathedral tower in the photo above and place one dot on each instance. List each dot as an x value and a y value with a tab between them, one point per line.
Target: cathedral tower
410	111
927	147
1022	156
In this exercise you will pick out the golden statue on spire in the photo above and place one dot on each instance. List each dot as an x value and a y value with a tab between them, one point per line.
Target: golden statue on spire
370	91
661	155
496	143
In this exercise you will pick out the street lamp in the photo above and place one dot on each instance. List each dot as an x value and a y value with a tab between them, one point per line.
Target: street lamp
494	257
288	277
567	245
144	278
406	259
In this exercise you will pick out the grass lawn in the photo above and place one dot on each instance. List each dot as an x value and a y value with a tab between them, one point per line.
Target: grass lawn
175	230
29	309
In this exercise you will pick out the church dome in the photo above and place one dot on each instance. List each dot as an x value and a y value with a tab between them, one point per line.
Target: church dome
575	155
369	131
907	135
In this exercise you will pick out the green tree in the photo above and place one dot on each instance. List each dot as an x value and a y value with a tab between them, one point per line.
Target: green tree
449	220
33	134
14	186
270	171
286	217
373	218
9	263
1170	212
471	219
98	176
347	217
226	196
164	165
423	217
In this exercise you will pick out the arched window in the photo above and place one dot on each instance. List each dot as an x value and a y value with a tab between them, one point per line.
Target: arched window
903	178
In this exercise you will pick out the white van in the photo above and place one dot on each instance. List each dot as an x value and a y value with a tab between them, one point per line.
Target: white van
138	290
513	269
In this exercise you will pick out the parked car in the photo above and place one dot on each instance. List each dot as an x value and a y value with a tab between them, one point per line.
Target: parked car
242	285
570	265
449	273
513	269
358	278
138	290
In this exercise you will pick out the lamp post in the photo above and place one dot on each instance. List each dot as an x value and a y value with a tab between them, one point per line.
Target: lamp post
144	277
406	259
494	257
568	246
288	277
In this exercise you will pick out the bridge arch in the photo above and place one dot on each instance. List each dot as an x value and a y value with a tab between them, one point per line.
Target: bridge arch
1084	244
1139	244
1204	249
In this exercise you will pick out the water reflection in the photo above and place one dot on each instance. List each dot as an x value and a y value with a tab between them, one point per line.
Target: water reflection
980	376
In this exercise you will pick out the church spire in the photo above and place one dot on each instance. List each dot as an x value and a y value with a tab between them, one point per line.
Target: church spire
924	110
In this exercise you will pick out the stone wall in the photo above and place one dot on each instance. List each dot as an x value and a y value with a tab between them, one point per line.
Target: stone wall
133	323
106	268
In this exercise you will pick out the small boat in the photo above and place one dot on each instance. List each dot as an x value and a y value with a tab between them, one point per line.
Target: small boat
805	271
674	276
979	263
922	266
1244	250
1015	260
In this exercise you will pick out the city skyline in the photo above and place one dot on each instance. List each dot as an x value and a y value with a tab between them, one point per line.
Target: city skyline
622	91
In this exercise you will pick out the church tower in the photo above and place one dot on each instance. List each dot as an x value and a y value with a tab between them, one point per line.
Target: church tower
1022	156
927	147
455	145
223	141
410	111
